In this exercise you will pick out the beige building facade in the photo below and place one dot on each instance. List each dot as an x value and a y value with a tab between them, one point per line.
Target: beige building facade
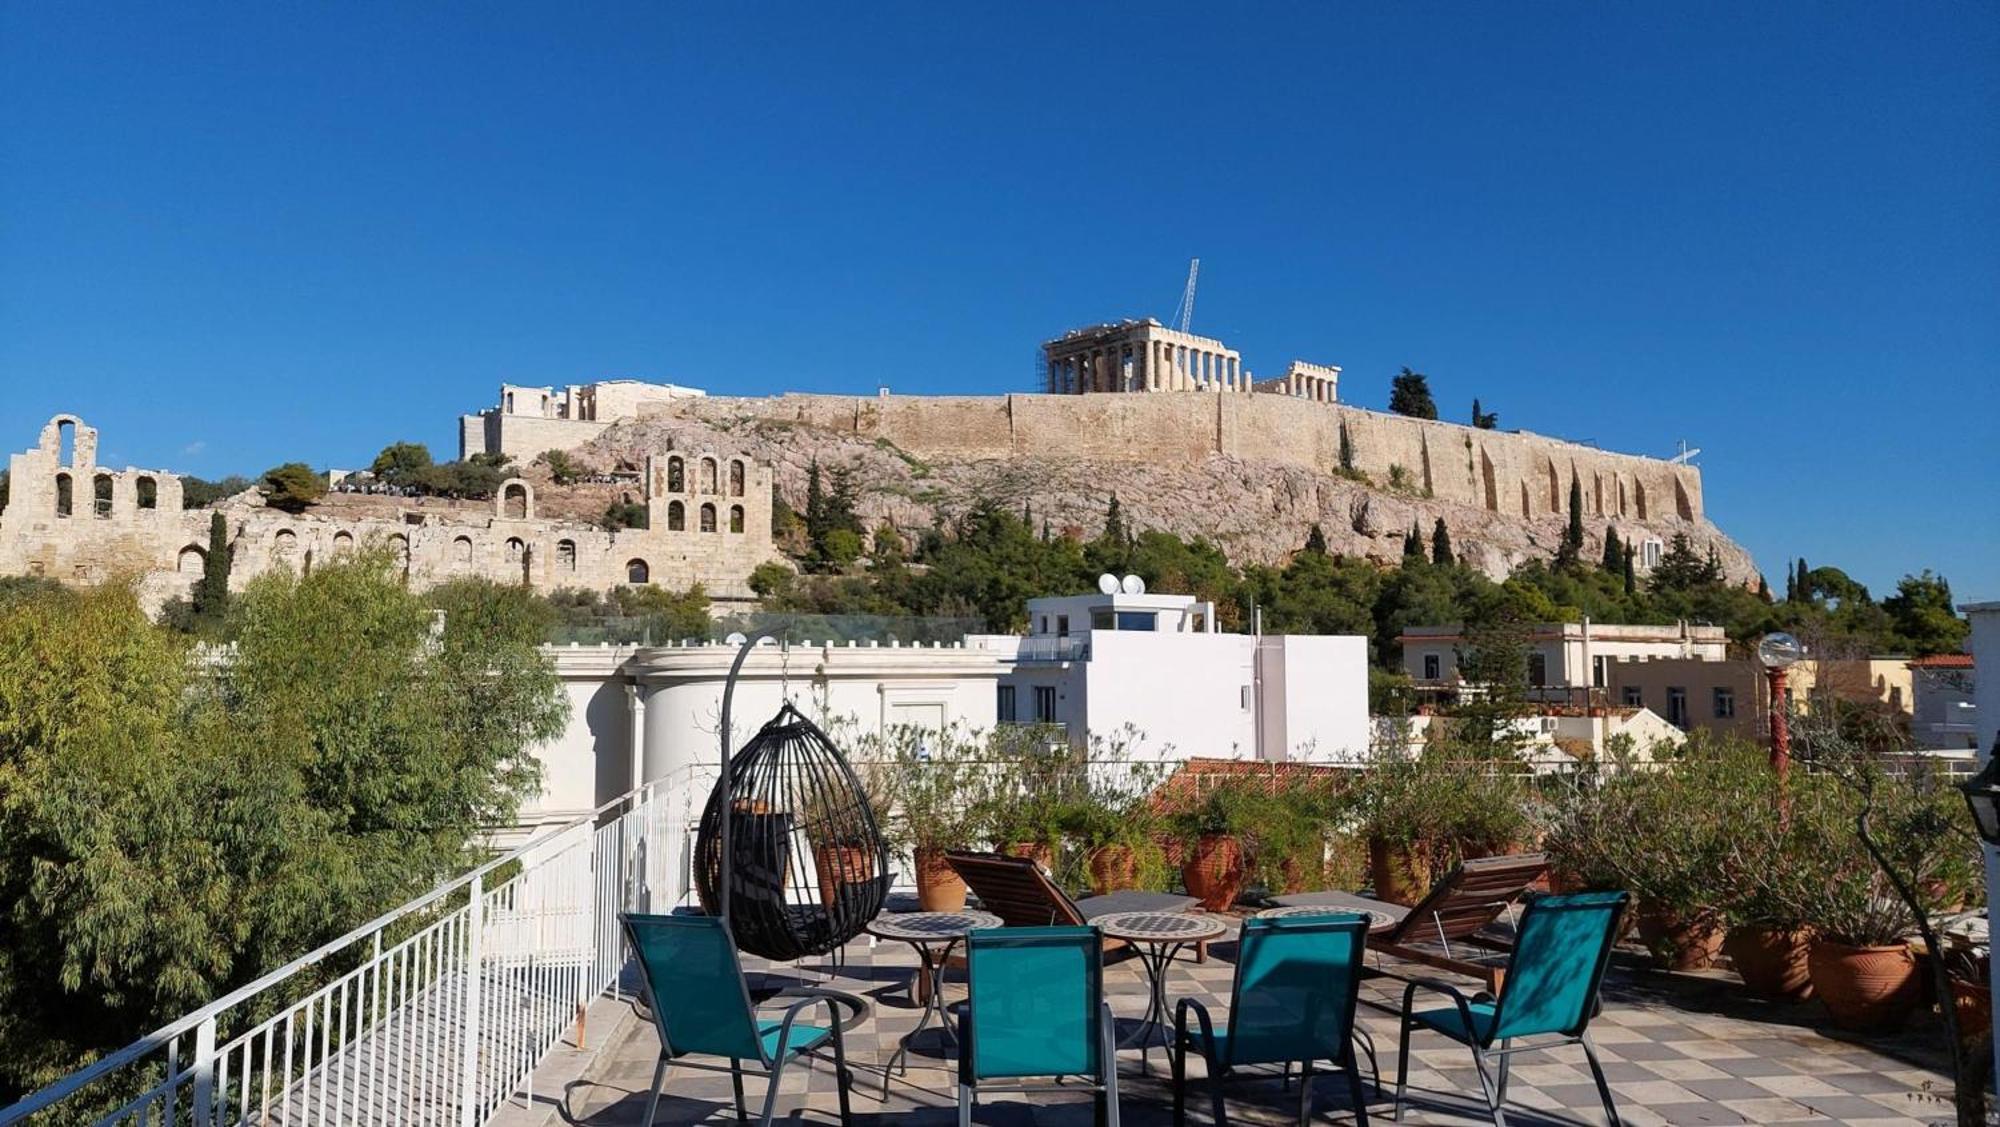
708	516
1734	695
528	421
1566	660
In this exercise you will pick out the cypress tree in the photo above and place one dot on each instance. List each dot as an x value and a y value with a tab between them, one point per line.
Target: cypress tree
1614	552
1631	581
1346	449
1763	588
211	594
1441	545
1316	539
1805	581
1114	523
1569	554
1413	546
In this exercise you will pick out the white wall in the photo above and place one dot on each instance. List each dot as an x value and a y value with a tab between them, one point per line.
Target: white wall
1315	689
1986	696
1184	692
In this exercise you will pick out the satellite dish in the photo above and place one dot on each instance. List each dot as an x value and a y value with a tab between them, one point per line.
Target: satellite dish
1132	585
1107	583
1776	651
736	638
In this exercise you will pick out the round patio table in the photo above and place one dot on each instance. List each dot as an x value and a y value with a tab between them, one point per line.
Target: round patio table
933	934
1158	937
1376	920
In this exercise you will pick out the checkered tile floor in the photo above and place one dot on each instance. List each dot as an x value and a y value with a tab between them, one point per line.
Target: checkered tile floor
1676	1049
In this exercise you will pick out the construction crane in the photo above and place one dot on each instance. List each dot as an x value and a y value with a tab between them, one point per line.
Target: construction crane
1184	312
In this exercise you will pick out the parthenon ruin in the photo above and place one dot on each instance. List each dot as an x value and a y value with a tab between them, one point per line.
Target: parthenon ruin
1148	356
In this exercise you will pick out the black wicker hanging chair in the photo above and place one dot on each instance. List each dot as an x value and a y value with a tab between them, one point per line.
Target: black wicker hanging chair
808	867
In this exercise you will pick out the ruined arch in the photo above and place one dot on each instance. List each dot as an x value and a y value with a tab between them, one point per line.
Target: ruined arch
708	475
65	494
1490	486
708	518
190	562
283	543
147	490
102	492
566	555
343	541
735	518
516	548
636	572
677	520
516	500
676	475
399	547
461	551
736	477
66	428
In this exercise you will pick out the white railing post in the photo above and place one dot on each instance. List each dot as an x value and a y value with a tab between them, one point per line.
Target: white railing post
468	1082
204	1074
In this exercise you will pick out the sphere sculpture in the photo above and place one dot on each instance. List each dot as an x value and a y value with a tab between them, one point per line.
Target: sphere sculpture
808	867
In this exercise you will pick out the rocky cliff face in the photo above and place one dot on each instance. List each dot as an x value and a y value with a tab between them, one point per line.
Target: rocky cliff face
1257	511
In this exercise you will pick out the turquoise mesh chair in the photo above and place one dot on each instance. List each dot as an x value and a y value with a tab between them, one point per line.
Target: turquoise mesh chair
694	986
1549	994
1297	981
1035	1007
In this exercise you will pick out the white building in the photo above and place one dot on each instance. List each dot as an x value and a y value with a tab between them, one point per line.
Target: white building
1943	716
1154	665
1564	658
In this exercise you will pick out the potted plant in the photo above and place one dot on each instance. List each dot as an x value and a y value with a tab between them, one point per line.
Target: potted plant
1036	777
1214	832
1116	843
1401	805
843	847
1861	964
1296	848
1776	857
936	786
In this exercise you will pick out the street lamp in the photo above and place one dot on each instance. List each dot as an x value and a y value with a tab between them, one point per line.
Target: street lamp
1777	653
1982	794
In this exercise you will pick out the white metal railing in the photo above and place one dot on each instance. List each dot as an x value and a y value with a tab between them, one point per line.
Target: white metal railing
432	1014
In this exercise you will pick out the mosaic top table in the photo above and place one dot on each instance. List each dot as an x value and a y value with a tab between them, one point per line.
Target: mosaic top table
1158	937
1377	920
933	934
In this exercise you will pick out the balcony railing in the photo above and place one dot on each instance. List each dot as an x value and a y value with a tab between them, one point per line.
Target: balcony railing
1042	648
434	1013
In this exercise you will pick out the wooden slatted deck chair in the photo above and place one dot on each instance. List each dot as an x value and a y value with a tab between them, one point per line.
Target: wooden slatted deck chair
1563	948
1023	894
1298	979
1453	927
694	986
1034	1007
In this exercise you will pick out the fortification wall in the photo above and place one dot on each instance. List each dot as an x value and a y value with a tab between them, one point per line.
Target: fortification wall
1513	473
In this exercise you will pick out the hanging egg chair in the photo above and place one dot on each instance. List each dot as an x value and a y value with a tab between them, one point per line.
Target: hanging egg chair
807	867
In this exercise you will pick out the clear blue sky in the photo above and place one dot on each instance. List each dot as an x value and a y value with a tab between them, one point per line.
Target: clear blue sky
232	236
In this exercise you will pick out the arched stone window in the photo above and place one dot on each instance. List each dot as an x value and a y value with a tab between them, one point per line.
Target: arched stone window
190	562
735	519
283	543
343	542
510	410
461	551
100	495
399	546
636	571
736	478
677	520
66	442
515	549
708	518
676	477
708	475
148	492
566	555
516	501
65	495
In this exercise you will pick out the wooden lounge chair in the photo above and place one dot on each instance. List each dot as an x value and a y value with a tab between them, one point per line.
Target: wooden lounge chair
1023	894
1452	929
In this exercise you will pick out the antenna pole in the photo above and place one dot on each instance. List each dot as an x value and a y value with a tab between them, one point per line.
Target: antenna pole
1184	312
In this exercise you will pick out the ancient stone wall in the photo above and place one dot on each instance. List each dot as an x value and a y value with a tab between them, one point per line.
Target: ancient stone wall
709	514
1504	472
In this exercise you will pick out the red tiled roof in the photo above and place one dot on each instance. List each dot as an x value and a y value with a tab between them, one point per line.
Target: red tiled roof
1943	661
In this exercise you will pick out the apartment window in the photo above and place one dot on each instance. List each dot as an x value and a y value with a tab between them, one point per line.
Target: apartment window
1538	669
1677	707
1138	620
1431	664
1597	668
1634	698
1725	704
1062	626
1003	708
1045	704
1103	620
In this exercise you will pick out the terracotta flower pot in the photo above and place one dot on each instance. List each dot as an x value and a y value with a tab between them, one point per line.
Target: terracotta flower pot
1973	1002
1864	988
1213	871
1112	868
1679	941
1040	852
1297	874
1771	961
838	865
1397	872
939	888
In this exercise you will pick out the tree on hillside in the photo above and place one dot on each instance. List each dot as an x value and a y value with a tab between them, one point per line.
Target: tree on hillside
1441	545
1802	582
1316	539
1680	567
563	469
211	591
1484	420
1410	394
1346	449
1114	522
1631	580
1922	612
293	487
1614	552
1569	553
1413	546
400	463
